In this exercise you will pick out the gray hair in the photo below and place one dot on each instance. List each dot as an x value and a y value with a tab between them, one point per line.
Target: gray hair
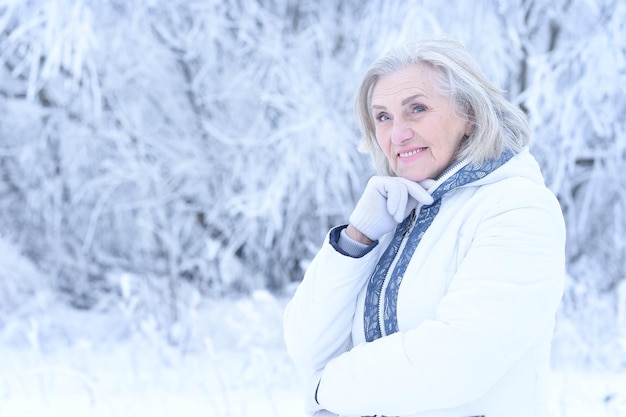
497	124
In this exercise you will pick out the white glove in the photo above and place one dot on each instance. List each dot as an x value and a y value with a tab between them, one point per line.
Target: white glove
385	203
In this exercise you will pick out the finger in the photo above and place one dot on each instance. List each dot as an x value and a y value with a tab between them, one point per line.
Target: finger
397	198
427	183
417	191
410	205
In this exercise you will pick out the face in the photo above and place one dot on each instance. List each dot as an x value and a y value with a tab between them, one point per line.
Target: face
416	127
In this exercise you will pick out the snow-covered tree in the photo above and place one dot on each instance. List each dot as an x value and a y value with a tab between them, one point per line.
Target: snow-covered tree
212	143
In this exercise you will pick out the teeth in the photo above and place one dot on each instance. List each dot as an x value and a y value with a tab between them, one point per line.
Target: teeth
409	153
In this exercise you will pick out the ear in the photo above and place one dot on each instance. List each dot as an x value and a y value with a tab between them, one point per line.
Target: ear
469	128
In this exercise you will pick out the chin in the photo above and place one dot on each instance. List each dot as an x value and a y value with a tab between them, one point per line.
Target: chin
412	177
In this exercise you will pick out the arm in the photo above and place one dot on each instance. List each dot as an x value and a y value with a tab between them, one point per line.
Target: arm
504	294
318	319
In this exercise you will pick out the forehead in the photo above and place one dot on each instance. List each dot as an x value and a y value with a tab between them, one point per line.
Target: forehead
412	79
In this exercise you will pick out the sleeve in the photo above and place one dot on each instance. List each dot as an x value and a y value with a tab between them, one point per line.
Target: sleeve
501	299
351	247
318	319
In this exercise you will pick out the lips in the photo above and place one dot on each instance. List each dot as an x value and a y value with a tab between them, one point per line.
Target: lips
410	152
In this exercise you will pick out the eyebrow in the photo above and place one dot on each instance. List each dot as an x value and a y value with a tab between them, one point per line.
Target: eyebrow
404	102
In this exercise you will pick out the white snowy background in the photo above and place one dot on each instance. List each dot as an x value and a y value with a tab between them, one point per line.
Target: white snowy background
168	168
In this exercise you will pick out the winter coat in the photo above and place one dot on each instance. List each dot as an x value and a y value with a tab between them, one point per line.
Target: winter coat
475	309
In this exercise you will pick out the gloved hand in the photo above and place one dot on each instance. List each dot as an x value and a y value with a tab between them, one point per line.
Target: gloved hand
385	203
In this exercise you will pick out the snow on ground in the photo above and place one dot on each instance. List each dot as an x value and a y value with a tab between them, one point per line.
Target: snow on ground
228	361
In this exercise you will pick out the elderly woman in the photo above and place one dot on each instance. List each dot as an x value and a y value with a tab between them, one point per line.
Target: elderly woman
439	296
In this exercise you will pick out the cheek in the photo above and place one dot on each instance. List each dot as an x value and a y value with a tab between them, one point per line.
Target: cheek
382	139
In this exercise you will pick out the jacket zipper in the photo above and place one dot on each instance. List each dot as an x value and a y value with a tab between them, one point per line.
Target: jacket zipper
383	290
447	174
381	297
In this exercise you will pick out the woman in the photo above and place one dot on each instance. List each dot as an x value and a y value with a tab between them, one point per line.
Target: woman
439	296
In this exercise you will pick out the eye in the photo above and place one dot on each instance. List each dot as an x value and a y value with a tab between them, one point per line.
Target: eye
418	108
382	117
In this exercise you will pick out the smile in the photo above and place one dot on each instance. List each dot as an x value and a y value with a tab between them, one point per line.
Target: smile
406	154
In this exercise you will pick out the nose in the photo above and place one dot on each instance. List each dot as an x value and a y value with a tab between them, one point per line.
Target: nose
400	132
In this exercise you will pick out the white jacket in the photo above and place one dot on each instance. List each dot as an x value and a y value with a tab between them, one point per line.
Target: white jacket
475	310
